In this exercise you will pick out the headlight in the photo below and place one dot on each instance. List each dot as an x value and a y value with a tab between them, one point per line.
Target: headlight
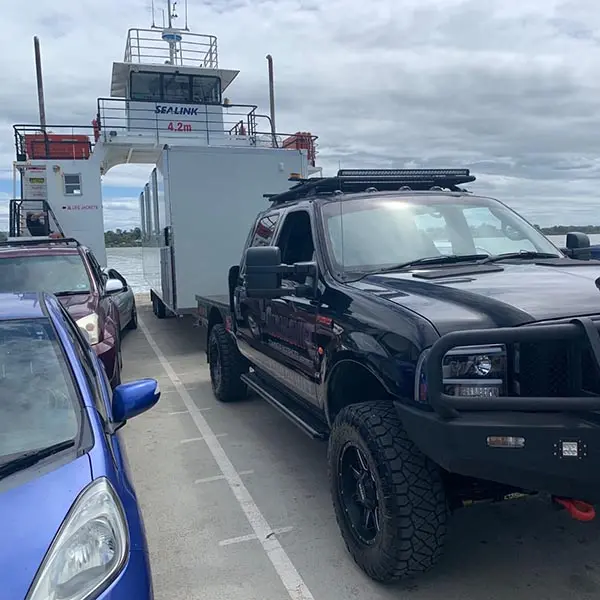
90	326
477	371
89	550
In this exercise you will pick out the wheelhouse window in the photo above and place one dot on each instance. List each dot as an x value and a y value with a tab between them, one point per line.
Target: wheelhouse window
148	86
206	90
73	184
176	88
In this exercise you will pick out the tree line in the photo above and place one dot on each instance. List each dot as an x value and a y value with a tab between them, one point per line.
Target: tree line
120	238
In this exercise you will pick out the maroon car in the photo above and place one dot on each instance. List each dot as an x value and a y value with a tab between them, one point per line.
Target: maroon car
70	272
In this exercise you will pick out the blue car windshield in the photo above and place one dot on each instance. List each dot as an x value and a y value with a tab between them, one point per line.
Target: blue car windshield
38	403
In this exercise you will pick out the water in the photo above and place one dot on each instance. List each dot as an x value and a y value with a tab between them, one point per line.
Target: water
128	261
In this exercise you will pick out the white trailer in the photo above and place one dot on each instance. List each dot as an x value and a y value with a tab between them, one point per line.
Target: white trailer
197	210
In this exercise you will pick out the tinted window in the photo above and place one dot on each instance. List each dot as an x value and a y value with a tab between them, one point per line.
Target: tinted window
96	268
38	403
192	89
146	86
369	233
176	88
206	90
54	274
264	230
73	185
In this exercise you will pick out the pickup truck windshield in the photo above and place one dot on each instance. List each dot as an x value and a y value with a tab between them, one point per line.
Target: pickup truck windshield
371	233
38	403
50	273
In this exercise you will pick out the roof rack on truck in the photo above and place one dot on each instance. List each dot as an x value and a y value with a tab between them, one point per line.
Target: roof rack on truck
363	180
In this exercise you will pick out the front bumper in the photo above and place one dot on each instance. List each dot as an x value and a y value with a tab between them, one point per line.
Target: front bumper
456	434
134	582
461	446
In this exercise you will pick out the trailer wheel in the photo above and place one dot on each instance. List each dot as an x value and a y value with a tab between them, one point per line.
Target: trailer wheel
226	366
388	497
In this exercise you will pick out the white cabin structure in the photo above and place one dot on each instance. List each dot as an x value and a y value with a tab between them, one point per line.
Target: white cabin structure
210	162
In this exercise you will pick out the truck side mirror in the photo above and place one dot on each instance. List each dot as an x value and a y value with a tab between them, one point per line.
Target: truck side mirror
263	272
578	245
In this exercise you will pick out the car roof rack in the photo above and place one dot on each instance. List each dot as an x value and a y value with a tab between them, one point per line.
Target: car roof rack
39	241
350	181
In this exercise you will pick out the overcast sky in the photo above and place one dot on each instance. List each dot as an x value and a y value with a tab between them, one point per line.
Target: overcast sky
508	88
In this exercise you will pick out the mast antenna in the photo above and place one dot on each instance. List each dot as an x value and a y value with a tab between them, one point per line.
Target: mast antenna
153	22
40	83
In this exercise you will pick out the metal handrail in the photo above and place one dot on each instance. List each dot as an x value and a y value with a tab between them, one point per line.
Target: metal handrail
17	220
119	115
45	137
147	46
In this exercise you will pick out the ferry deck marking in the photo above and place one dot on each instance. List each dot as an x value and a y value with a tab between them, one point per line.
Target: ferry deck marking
221	477
285	569
251	536
199	439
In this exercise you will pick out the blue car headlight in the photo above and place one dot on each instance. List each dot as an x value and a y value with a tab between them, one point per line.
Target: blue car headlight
89	550
477	371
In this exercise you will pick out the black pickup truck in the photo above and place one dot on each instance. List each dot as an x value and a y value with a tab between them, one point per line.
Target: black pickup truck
446	350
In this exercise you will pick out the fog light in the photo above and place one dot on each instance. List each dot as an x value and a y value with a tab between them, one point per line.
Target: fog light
505	441
570	449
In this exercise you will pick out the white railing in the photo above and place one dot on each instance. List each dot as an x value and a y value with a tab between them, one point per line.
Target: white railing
151	46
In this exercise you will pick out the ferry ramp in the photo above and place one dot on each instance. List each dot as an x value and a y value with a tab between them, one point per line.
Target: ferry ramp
236	504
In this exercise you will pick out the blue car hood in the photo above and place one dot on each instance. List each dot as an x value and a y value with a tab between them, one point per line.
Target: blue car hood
30	516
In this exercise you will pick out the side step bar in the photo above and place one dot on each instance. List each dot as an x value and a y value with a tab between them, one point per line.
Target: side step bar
298	415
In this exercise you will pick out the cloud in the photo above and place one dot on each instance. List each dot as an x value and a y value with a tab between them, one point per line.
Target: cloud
507	88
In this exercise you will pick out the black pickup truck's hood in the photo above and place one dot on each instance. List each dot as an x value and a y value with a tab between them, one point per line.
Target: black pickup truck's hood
520	293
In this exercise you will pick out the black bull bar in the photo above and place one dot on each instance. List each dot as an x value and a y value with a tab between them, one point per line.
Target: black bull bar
581	329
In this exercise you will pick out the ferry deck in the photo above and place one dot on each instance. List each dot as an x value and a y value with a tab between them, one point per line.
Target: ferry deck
237	506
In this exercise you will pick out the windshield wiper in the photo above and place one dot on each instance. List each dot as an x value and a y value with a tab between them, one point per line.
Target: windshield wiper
427	260
524	254
432	260
28	459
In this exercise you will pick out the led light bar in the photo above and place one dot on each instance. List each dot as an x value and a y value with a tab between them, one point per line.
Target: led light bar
405	173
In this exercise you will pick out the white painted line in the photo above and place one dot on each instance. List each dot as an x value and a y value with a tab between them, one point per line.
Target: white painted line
221	477
252	536
186	411
293	583
199	439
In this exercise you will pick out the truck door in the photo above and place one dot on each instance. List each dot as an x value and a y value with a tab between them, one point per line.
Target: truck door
249	313
289	323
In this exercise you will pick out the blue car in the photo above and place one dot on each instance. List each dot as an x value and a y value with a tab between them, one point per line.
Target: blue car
70	524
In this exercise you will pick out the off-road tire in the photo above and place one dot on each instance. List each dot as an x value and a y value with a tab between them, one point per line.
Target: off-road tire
409	487
226	365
